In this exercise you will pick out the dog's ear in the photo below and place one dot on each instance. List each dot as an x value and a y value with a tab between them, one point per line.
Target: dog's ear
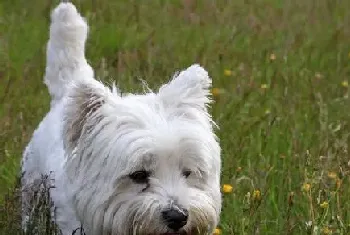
189	88
81	111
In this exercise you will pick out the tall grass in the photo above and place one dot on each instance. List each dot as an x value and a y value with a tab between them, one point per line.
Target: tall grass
280	71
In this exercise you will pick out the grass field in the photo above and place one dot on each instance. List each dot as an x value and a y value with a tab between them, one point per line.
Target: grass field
280	73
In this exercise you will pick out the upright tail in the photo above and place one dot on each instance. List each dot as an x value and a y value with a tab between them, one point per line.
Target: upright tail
66	50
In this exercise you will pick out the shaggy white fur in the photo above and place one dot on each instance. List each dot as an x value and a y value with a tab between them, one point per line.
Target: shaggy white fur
133	164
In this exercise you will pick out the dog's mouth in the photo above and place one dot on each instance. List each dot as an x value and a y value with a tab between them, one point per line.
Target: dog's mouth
177	233
193	231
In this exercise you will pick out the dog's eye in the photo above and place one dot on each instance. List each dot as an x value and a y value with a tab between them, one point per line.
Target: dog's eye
186	173
140	177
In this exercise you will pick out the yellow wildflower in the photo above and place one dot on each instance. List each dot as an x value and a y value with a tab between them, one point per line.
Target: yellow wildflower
332	175
239	169
227	188
324	205
228	72
345	83
264	86
290	198
257	195
326	230
306	187
318	75
338	183
272	56
217	231
217	91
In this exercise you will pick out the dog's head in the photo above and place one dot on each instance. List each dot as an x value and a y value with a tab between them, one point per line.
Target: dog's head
144	164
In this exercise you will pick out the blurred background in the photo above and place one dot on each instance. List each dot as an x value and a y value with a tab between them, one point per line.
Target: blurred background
280	72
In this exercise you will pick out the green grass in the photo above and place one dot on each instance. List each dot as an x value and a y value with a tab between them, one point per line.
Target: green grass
284	121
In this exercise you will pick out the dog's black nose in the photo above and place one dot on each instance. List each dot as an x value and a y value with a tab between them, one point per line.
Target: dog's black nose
175	219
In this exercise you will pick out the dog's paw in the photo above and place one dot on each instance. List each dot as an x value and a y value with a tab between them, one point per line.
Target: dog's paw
67	23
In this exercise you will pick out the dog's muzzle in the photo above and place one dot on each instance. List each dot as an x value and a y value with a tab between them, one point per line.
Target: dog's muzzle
175	218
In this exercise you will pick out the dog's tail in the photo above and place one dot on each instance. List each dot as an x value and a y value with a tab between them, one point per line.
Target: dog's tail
66	51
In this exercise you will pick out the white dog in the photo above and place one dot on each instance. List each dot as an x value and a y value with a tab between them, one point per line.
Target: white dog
146	164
